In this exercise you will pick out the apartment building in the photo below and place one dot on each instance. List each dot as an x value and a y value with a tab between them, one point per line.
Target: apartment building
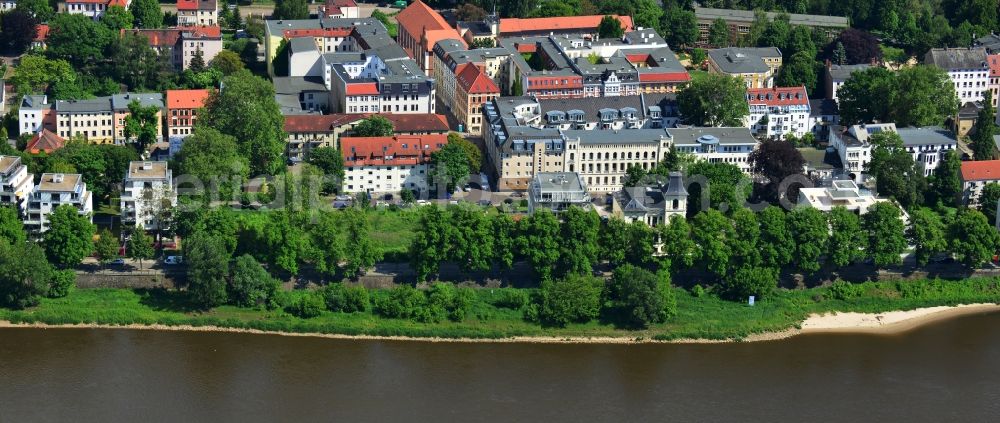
183	43
182	108
197	12
147	192
420	28
340	9
99	120
853	147
93	9
755	66
716	145
836	75
779	111
306	133
841	193
975	176
927	145
378	165
35	114
967	68
54	190
603	157
16	183
474	88
557	192
993	61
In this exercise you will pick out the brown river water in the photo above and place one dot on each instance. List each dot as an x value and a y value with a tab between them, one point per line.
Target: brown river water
946	371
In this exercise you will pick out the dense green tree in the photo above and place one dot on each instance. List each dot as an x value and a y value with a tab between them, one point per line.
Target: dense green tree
927	232
744	245
373	126
946	185
610	27
637	297
471	246
106	247
142	124
211	158
227	62
866	96
698	57
504	231
78	39
401	302
40	9
361	251
250	285
776	160
290	9
801	39
140	245
777	247
973	239
847	240
24	274
197	63
988	200
715	100
648	14
327	244
331	162
207	269
681	27
580	229
17	30
552	8
718	34
246	110
445	301
896	175
746	281
925	96
147	13
117	18
810	234
714	234
450	167
136	64
641	240
68	239
886	232
613	238
776	32
306	306
859	46
538	241
728	187
472	153
983	145
35	73
800	70
346	299
678	246
11	227
430	242
574	299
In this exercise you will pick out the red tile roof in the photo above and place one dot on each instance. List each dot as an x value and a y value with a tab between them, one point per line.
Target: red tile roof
391	151
45	140
426	25
984	170
204	31
43	32
403	123
993	60
473	80
361	88
186	99
564	23
664	77
778	96
187	4
157	37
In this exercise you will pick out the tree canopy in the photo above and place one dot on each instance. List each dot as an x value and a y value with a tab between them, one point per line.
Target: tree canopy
715	100
246	109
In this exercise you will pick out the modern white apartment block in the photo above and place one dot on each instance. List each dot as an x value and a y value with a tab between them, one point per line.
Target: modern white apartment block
378	165
557	192
716	145
967	68
927	145
93	9
16	183
975	176
853	147
842	193
34	113
779	111
147	192
52	191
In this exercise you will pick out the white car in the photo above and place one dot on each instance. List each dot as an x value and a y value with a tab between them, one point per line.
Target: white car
173	260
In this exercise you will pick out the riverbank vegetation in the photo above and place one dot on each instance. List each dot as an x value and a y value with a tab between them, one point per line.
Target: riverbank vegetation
500	313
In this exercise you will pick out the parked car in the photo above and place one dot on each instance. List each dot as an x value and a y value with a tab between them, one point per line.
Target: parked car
173	260
423	202
118	262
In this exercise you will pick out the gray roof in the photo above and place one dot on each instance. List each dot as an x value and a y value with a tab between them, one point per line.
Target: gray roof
33	101
743	60
667	102
843	72
823	107
289	105
476	27
821	159
121	101
957	58
704	13
629	136
101	104
688	136
302	44
926	135
297	84
273	26
559	181
644	36
591	105
990	42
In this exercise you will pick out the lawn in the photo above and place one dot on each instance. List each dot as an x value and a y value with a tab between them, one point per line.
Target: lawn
705	316
393	230
698	74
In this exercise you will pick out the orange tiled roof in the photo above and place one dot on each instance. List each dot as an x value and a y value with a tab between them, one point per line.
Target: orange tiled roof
664	77
186	99
403	123
361	88
426	25
317	32
984	170
45	140
563	23
391	151
778	96
473	80
993	60
43	32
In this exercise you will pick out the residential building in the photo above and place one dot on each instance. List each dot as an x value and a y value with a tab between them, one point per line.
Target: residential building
557	192
779	111
93	9
990	42
927	145
420	27
44	141
329	35
716	145
755	66
41	37
16	183
835	76
301	95
35	113
841	193
968	114
652	204
197	12
967	68
560	25
344	9
975	176
474	90
821	164
147	193
54	190
993	61
101	120
449	55
602	158
614	113
377	165
823	113
853	147
308	132
182	44
182	111
740	21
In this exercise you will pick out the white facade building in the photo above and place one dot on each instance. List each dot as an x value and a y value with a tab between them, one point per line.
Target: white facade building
16	183
853	147
557	192
967	68
148	191
843	193
378	165
776	112
975	176
32	113
716	145
52	191
93	9
927	145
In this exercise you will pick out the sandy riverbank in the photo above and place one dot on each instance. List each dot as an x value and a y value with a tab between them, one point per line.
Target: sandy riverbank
879	323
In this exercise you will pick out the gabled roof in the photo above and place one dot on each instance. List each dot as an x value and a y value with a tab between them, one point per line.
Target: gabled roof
187	99
361	88
993	61
956	58
778	96
43	33
403	123
425	24
558	24
984	170
473	80
45	140
391	151
197	5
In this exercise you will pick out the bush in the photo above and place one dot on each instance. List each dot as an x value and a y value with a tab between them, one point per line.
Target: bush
575	299
307	306
62	283
845	291
446	301
346	299
511	298
637	297
697	291
401	302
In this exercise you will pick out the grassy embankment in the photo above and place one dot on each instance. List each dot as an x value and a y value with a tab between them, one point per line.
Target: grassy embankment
705	317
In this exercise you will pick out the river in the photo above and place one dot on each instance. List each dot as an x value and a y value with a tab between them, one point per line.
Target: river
945	371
